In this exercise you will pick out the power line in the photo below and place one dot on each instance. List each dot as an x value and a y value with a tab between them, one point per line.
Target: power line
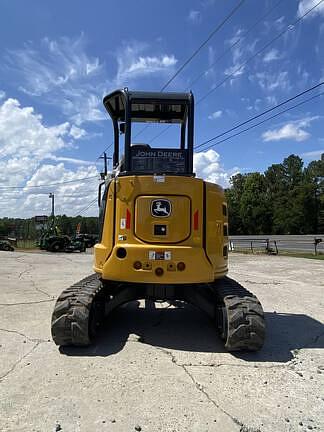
260	115
79	213
264	121
268	12
23	194
48	184
204	43
103	151
289	27
197	50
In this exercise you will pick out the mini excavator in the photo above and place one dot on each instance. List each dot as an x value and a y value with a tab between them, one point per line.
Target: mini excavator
163	233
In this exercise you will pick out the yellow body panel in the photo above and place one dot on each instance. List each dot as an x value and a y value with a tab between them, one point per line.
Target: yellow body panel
194	231
177	228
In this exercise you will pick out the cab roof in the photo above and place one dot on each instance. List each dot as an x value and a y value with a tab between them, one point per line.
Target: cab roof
148	106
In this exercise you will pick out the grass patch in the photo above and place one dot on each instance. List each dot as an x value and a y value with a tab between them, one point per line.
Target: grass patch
320	256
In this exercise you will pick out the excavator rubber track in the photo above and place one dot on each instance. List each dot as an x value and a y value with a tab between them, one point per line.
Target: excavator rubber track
239	316
73	318
81	308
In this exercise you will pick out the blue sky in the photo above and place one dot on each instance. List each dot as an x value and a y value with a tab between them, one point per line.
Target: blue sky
58	59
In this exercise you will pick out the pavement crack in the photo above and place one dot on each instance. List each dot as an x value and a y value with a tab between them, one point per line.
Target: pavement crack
37	340
40	290
24	271
28	271
201	389
14	366
250	366
27	303
262	283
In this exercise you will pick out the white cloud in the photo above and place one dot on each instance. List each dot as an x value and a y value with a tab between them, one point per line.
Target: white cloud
315	154
132	63
70	160
208	167
2	94
54	64
305	5
22	133
271	100
287	132
279	23
63	74
234	71
77	132
148	65
215	115
303	75
274	25
252	105
195	16
25	143
291	131
271	55
87	108
272	82
239	53
70	198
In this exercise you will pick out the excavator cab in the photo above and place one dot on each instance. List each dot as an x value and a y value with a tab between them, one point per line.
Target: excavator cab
163	232
126	108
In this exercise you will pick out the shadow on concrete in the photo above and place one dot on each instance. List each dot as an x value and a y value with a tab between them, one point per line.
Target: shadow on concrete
185	328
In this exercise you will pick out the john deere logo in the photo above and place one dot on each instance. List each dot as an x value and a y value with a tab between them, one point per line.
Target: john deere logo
160	208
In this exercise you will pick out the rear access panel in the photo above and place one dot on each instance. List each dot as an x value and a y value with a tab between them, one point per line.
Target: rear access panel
162	219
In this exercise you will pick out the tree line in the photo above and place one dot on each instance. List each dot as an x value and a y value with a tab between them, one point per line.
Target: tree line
29	229
288	198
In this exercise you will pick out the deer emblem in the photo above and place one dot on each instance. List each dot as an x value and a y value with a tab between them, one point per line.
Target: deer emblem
161	208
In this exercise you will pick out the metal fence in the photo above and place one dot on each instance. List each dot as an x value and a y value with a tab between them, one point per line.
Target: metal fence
275	244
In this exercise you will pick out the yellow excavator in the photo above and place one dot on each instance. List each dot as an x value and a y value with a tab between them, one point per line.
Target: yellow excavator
163	233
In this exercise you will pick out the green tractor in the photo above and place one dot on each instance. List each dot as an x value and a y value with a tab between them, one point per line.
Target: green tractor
51	240
6	246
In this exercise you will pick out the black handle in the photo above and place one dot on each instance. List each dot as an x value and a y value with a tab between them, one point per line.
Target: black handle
99	193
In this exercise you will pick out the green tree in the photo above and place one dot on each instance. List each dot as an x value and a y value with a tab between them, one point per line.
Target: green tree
255	211
233	196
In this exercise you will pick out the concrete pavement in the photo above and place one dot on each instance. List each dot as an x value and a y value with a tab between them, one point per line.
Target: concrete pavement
161	368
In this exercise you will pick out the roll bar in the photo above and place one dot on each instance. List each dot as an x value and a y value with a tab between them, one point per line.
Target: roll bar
126	107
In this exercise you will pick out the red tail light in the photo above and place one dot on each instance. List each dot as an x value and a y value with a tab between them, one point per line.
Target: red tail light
128	219
196	220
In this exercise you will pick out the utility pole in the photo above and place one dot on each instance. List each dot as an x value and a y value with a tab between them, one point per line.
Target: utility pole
105	158
51	195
